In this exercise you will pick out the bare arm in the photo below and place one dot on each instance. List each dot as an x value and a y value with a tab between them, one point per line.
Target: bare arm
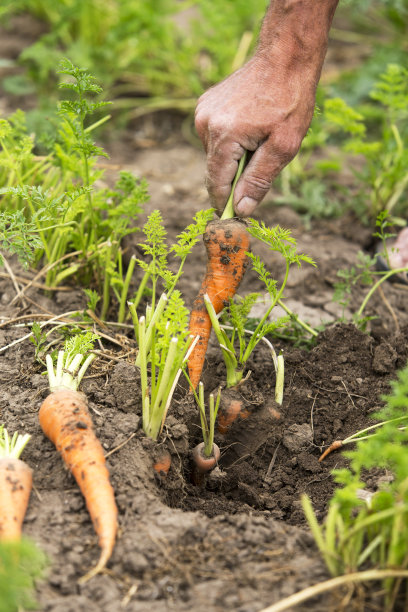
266	106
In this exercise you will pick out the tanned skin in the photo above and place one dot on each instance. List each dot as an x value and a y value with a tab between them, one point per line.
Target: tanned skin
265	107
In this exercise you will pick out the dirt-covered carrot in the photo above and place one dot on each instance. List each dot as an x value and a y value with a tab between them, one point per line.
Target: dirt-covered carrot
202	463
65	420
162	463
15	484
231	409
227	243
207	453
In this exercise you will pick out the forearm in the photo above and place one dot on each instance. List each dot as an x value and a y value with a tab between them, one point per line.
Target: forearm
294	35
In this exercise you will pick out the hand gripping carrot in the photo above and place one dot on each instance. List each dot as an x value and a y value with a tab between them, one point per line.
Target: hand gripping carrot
15	484
227	242
65	420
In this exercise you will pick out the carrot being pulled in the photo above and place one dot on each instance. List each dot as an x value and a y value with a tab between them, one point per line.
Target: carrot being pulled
15	484
65	420
227	242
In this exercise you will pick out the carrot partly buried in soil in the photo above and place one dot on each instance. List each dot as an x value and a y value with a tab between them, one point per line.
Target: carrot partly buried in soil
231	409
227	242
65	420
15	484
162	463
207	453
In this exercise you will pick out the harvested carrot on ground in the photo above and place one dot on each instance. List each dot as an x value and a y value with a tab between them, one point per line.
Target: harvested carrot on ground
227	242
65	420
15	484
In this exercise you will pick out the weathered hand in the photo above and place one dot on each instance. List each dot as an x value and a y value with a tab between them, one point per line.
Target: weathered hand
266	106
258	108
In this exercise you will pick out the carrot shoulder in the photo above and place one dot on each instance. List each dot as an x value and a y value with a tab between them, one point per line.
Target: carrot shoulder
227	243
65	420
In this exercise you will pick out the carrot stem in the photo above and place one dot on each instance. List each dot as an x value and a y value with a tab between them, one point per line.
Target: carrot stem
11	448
280	377
125	289
294	316
229	212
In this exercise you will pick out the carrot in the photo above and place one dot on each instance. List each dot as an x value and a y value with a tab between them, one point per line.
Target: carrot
65	420
202	463
227	243
162	463
333	446
229	412
15	485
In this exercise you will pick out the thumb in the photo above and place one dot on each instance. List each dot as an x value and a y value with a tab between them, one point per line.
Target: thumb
263	167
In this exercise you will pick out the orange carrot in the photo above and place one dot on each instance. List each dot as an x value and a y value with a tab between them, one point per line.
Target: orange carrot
227	243
229	412
333	446
202	463
15	487
65	420
15	484
162	463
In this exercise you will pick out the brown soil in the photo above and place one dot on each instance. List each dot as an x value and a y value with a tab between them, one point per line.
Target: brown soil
239	541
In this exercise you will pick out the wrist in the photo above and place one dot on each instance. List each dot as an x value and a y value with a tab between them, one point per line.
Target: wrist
294	35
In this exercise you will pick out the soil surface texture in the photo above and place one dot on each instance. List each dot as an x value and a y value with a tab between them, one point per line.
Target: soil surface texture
238	540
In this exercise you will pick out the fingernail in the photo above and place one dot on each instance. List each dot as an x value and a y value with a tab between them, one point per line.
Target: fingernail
246	206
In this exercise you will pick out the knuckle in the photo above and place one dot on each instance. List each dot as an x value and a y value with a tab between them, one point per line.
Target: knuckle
258	184
201	121
287	147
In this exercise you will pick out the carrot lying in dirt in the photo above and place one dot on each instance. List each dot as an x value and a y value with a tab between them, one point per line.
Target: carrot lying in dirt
15	484
227	243
65	420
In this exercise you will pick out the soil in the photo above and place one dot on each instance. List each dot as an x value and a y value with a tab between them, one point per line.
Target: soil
239	540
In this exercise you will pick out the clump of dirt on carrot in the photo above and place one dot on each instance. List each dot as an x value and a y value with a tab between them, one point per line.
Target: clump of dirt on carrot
227	243
15	485
65	420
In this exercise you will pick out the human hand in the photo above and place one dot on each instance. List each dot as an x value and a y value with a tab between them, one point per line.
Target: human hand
260	108
265	107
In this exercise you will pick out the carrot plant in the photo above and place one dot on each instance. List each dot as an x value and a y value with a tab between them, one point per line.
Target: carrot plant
236	340
163	348
206	454
139	50
22	563
367	271
370	529
51	211
162	331
383	181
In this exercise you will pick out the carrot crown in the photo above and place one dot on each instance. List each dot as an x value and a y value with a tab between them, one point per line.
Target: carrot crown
11	448
72	362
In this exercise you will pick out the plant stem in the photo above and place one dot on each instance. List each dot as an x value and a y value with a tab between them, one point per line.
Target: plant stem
333	583
125	289
293	315
376	285
229	207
